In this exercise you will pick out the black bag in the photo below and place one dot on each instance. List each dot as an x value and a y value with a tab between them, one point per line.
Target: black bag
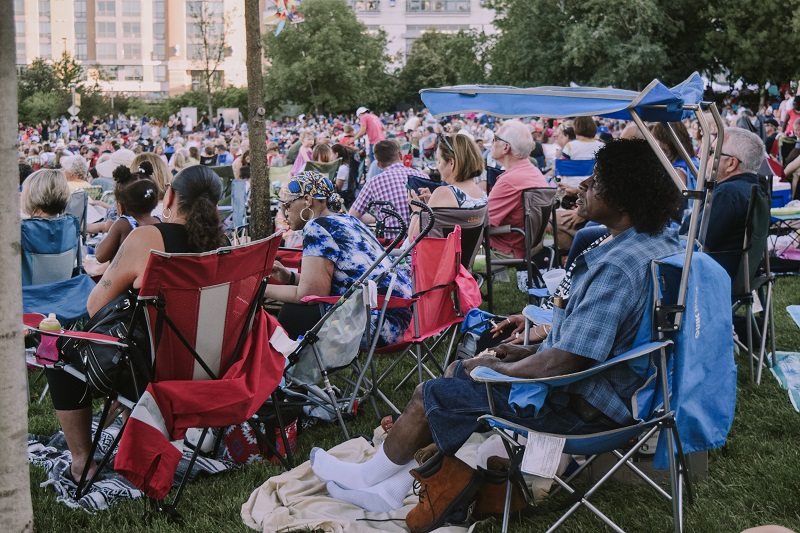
107	367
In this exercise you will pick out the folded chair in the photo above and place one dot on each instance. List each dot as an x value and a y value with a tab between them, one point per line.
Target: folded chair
684	355
215	357
435	305
537	203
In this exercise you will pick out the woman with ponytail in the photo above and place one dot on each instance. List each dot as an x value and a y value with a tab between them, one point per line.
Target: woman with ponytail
190	225
337	250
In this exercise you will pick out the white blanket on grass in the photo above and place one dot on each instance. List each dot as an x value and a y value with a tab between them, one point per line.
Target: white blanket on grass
297	500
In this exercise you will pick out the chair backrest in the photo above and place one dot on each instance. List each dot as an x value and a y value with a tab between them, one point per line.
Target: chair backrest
756	235
226	173
574	167
435	263
538	205
472	221
328	169
95	192
77	205
50	248
205	299
107	196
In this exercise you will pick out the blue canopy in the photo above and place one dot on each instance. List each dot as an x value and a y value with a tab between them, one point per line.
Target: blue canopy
561	102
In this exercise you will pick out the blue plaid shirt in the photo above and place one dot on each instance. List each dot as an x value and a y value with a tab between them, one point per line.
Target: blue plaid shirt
603	312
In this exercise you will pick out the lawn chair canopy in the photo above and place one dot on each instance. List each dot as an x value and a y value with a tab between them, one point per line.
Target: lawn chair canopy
562	102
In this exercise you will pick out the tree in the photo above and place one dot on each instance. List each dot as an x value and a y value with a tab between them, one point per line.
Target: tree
625	43
210	30
748	40
438	59
16	513
260	220
328	63
67	70
39	76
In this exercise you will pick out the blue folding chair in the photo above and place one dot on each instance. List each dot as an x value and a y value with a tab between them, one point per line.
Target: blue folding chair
50	249
676	365
566	168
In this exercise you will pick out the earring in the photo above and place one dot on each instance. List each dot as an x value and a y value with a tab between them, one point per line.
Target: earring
304	219
165	215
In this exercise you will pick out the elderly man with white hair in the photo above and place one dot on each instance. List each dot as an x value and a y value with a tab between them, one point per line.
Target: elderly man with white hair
511	146
76	170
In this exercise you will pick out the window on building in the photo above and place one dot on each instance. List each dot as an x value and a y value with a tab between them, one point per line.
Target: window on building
20	52
81	51
44	28
158	9
80	30
19	27
198	79
45	50
106	29
106	51
19	7
131	8
366	5
160	73
131	51
159	52
80	9
130	73
195	9
44	7
106	8
159	31
449	6
131	29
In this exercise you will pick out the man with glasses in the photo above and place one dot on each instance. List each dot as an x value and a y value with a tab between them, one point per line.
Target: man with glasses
742	156
511	147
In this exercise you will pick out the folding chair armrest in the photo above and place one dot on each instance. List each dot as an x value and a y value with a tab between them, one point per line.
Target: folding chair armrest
395	302
539	292
482	374
94	337
503	230
536	314
320	299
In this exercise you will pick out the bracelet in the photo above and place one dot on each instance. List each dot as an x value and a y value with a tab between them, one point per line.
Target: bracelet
292	279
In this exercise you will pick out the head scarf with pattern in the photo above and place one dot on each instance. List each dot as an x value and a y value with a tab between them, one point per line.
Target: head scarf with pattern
317	186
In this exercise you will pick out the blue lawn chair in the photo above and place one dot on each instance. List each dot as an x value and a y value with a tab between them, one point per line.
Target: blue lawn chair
50	249
677	364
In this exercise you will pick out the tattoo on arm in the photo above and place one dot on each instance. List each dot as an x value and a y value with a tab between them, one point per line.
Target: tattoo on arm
106	283
117	257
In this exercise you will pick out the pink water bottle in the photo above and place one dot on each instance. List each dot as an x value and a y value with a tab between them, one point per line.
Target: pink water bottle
47	353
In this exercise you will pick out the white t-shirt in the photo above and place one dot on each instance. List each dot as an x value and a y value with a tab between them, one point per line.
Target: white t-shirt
343	174
581	149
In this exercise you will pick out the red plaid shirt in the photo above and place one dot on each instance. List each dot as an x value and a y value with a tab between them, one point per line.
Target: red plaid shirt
389	186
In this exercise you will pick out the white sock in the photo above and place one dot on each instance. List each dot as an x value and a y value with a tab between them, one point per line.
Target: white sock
386	496
353	475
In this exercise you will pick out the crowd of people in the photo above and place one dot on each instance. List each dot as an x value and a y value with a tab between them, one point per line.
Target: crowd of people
613	222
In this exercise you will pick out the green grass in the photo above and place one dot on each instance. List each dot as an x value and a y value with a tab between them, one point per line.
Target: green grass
754	479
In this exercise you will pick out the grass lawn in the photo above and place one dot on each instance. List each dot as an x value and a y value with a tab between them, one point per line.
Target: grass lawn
754	479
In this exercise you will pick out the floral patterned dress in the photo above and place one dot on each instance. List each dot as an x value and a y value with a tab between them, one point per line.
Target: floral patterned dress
349	244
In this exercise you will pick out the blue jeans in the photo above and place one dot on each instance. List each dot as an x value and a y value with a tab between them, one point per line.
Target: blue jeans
453	405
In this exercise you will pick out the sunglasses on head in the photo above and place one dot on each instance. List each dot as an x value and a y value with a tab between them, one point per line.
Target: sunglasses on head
447	143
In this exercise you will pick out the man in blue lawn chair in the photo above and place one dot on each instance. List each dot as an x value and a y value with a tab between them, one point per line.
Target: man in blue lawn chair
597	311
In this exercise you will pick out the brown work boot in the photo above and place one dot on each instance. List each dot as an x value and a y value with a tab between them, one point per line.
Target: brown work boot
447	488
492	496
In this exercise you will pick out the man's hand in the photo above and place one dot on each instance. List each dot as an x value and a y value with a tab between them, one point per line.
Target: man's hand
509	353
515	337
487	361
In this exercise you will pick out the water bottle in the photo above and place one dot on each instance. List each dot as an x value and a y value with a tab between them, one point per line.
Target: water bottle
47	353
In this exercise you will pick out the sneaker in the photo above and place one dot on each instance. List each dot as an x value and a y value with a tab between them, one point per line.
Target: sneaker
446	487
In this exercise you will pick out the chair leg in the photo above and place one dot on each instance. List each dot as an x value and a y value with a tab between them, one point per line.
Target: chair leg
184	480
749	340
82	490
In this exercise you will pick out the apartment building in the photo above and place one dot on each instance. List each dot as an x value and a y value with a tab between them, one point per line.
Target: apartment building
151	47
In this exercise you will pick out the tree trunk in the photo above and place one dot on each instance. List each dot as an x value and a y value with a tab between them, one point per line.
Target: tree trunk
16	513
260	218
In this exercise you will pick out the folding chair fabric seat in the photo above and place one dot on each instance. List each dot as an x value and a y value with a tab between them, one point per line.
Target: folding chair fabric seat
50	248
693	414
473	224
208	304
67	298
329	170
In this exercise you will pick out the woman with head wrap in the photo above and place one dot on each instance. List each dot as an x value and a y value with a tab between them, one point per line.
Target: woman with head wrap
337	249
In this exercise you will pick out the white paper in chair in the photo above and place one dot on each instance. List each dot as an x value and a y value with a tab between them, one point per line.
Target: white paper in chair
542	454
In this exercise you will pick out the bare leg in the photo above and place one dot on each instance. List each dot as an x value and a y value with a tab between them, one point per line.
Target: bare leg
77	427
410	432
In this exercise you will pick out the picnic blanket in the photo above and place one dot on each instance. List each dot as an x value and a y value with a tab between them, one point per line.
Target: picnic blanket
297	500
787	372
51	453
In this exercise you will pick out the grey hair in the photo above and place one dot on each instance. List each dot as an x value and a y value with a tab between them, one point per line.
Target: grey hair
519	138
75	165
746	146
45	190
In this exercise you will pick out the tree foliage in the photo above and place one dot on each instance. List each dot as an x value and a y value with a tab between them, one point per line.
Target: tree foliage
438	59
327	64
211	29
594	42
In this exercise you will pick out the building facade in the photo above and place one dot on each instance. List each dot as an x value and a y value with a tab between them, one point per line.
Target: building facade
156	48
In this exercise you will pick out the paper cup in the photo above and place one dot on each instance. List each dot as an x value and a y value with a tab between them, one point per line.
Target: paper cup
552	278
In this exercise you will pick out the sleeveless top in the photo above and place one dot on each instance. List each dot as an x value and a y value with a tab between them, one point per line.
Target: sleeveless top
132	221
176	238
465	201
